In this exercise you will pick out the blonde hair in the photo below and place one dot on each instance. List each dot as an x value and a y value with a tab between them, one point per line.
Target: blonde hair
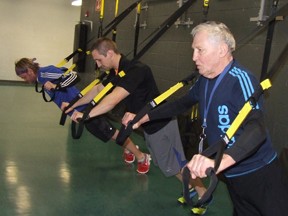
217	30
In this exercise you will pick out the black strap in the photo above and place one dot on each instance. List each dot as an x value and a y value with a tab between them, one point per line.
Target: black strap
36	87
62	83
67	59
63	114
101	18
77	130
137	28
74	100
116	21
164	27
113	24
45	98
186	180
205	10
269	38
114	31
283	11
125	132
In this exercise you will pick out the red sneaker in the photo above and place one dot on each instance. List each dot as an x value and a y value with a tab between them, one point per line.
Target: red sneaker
144	166
129	157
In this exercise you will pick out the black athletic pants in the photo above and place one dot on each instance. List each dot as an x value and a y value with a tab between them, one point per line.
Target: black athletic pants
261	193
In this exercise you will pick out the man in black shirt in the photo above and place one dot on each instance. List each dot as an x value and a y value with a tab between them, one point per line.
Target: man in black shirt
136	89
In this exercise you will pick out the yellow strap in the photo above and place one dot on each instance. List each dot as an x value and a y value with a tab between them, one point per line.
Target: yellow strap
60	64
167	93
206	3
239	119
265	84
116	7
102	9
89	87
104	91
197	111
114	32
244	112
194	112
69	69
64	61
121	73
139	8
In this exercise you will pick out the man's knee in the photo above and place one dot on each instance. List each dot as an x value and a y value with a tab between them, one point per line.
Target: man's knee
101	128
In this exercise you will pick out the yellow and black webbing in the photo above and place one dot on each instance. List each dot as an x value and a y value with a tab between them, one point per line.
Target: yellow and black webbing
77	130
126	131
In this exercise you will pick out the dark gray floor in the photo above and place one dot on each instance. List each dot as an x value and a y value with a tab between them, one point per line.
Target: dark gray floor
43	171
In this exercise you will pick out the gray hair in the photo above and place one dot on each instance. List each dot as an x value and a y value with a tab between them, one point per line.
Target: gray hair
217	30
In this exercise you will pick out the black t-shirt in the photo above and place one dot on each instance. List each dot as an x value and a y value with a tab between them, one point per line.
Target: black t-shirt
140	83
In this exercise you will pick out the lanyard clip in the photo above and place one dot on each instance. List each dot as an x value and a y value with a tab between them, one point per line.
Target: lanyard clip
202	137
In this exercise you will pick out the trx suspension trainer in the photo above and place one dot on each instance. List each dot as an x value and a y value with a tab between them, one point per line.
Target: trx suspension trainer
77	131
126	131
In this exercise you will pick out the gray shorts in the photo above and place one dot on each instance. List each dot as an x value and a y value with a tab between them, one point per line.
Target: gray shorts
166	149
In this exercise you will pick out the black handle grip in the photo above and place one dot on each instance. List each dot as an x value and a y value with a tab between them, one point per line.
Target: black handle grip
186	175
210	172
124	133
77	128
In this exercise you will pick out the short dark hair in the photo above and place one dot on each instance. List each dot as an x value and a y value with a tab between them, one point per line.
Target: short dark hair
102	45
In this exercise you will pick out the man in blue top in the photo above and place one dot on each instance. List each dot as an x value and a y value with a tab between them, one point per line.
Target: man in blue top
256	182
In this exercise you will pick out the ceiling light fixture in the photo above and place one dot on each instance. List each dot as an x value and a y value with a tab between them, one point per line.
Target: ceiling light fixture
76	2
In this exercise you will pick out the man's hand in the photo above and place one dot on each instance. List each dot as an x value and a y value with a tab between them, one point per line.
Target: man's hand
198	166
127	118
76	115
130	116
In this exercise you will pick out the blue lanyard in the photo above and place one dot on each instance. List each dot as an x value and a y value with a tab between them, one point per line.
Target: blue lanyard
207	105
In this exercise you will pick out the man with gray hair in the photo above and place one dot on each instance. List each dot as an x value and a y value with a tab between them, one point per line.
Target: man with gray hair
255	179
